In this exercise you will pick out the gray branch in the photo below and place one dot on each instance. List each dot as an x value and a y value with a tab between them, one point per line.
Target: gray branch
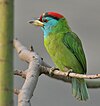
37	67
31	74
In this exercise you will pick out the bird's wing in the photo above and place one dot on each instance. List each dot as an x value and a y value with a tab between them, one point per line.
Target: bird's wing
73	43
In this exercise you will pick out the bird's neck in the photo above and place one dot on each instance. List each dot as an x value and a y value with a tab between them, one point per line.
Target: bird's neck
48	27
60	26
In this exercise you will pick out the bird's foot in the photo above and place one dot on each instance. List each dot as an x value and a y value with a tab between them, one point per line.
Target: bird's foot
51	72
69	71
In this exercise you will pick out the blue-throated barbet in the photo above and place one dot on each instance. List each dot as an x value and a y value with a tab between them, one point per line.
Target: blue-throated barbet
65	49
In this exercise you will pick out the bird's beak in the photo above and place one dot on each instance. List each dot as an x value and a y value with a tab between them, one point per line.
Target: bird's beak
36	22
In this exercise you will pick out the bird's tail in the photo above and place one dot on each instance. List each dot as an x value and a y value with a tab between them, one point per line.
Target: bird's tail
79	89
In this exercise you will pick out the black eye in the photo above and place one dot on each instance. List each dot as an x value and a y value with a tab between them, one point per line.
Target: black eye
45	20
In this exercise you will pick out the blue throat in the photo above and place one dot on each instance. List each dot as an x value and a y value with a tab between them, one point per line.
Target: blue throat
48	26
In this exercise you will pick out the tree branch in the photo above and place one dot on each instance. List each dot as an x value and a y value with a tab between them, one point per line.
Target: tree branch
64	75
37	67
31	75
90	83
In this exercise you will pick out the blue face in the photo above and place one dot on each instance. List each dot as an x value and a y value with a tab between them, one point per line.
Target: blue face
48	24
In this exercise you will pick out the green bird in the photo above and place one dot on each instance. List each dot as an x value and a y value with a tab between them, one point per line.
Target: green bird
65	49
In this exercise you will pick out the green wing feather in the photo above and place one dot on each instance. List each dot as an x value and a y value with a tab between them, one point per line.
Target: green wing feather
74	44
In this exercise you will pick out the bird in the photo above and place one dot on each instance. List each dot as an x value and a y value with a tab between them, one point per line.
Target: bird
65	49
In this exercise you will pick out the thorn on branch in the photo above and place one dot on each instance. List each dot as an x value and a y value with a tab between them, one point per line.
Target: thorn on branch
31	48
19	51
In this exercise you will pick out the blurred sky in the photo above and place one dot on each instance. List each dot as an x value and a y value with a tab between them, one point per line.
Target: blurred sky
83	17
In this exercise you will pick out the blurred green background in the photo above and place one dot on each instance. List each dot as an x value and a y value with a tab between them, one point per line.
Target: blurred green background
84	18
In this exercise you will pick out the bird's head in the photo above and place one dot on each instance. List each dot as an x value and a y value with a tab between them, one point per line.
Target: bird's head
47	21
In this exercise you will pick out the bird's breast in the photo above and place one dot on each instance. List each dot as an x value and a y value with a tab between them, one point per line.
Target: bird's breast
52	44
55	48
60	54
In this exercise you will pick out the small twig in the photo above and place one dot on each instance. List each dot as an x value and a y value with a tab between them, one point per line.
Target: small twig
61	74
20	73
57	74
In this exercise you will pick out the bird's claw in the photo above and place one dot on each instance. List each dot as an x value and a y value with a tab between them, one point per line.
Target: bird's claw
51	72
69	71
